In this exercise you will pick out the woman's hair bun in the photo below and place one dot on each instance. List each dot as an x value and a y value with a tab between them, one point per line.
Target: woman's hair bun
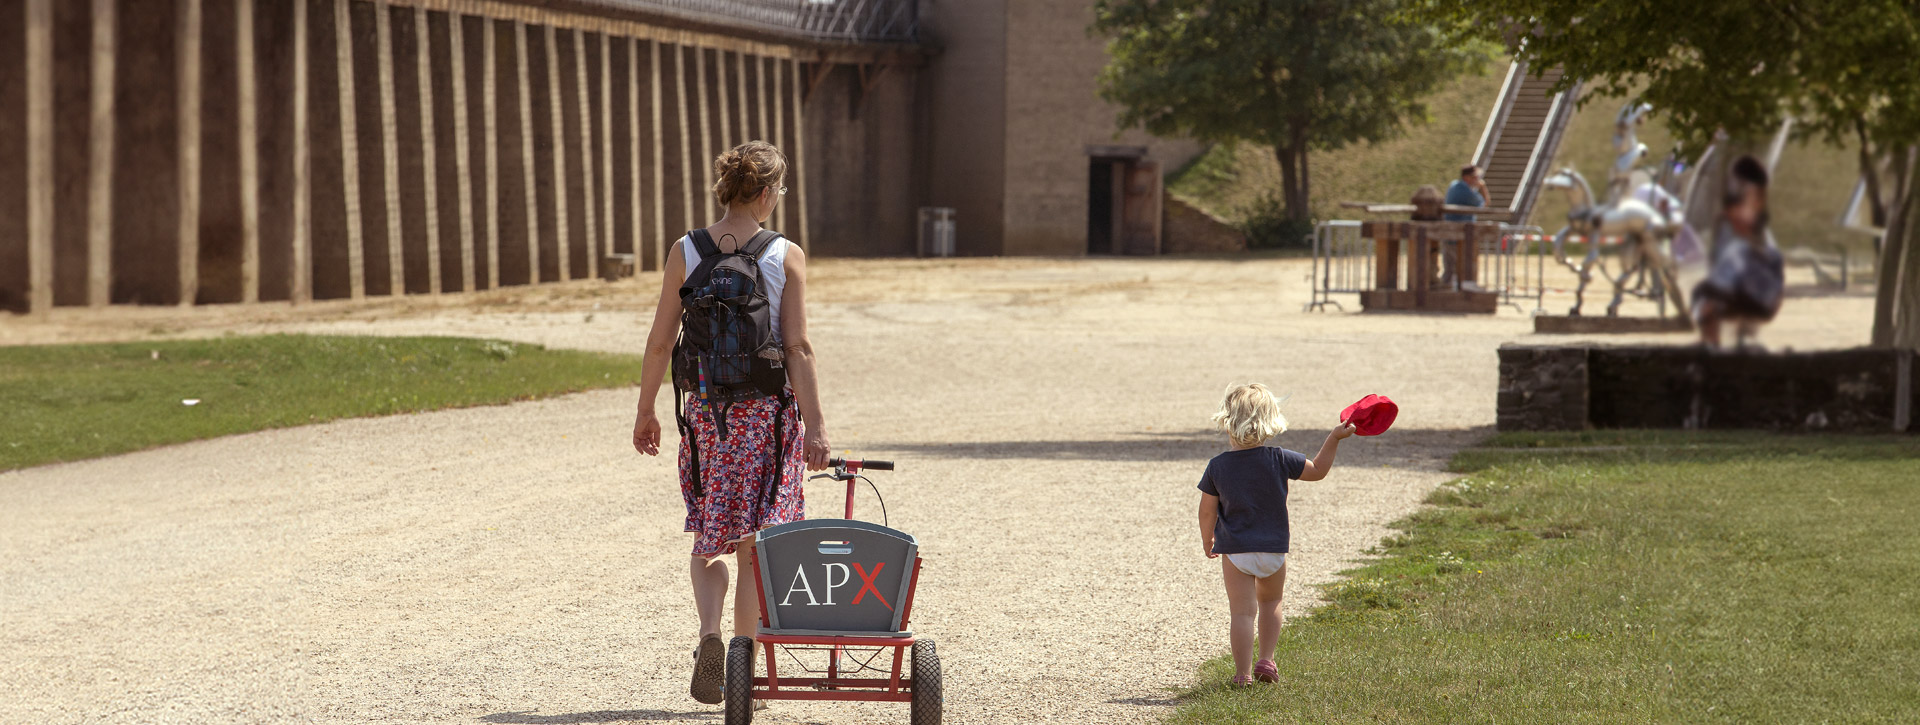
744	171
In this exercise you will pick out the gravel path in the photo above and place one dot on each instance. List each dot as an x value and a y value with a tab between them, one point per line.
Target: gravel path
522	564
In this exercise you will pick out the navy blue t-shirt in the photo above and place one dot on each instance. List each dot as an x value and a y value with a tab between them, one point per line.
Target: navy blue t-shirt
1252	487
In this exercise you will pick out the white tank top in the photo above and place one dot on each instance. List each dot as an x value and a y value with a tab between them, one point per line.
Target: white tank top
773	273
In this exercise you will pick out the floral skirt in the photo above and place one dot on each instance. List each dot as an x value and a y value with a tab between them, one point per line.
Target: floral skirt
743	489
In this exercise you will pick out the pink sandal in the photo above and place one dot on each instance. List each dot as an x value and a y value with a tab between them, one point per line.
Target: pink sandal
1266	671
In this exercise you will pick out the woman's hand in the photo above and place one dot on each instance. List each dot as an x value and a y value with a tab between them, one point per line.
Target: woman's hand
818	449
646	433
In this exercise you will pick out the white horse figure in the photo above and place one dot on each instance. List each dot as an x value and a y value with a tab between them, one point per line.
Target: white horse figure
1627	149
1640	225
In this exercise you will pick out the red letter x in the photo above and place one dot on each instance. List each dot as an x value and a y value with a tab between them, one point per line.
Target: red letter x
866	584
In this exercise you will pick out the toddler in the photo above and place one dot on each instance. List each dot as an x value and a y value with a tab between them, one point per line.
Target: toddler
1243	516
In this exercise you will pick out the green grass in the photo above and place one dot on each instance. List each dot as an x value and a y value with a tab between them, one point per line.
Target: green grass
1809	192
68	402
1623	577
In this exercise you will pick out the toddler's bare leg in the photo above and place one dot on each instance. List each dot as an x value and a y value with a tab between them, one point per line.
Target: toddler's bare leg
1241	605
1269	591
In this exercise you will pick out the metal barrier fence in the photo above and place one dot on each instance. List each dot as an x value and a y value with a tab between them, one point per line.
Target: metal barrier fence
1512	265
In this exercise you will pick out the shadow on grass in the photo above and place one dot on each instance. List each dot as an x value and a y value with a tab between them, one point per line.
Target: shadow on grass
1676	446
528	717
1408	448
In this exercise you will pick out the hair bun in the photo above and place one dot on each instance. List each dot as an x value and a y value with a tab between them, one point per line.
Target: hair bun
743	172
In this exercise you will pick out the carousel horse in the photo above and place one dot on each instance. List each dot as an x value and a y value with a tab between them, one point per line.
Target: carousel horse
1640	225
1627	149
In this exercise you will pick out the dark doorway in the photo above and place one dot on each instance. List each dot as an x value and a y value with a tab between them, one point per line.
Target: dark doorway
1103	203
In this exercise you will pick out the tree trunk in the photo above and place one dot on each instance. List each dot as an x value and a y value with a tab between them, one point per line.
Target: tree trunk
1305	201
1890	269
1288	156
1903	232
1871	173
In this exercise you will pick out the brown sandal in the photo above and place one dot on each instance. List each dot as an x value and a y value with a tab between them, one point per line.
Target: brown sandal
710	670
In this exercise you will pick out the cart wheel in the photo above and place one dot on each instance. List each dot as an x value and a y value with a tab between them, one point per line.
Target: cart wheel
926	684
740	681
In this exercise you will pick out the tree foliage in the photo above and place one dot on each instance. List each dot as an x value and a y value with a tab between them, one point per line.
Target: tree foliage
1291	74
1843	69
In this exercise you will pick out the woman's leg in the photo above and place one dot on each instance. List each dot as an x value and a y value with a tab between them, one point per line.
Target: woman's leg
746	594
709	591
1240	604
1269	590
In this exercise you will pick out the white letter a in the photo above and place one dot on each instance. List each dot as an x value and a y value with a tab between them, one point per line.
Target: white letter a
800	584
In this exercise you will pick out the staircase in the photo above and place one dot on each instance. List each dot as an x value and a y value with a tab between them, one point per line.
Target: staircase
1521	137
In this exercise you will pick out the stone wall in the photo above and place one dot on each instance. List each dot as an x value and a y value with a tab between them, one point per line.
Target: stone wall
1576	387
1189	229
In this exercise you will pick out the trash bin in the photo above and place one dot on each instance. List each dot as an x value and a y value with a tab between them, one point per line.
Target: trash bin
936	231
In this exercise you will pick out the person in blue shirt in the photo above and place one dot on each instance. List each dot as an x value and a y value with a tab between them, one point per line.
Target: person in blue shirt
1468	190
1243	518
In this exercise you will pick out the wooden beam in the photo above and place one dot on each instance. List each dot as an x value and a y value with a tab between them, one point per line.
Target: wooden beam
686	134
659	170
821	68
249	149
586	153
100	160
760	91
526	156
463	148
706	128
740	94
299	256
780	132
606	144
490	136
633	144
187	73
40	180
561	234
522	11
423	58
350	152
798	180
389	149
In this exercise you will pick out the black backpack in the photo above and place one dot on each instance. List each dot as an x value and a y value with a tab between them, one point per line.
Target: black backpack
726	352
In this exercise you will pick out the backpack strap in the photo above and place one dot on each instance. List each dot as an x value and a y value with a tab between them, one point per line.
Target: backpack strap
703	243
758	243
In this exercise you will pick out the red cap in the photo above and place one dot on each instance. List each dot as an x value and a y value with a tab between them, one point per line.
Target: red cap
1371	416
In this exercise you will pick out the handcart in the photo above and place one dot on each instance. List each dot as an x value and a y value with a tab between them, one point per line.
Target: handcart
841	590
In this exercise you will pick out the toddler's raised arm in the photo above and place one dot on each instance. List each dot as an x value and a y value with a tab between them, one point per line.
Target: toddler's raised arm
1317	468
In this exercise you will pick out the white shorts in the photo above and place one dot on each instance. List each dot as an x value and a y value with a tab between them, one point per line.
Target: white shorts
1258	565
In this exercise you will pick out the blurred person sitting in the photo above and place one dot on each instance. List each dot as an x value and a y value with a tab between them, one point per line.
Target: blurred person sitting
1745	283
1468	190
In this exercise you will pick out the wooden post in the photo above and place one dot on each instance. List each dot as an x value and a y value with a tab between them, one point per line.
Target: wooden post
463	149
526	156
760	81
187	68
350	152
633	119
798	180
249	151
40	191
586	153
561	234
423	54
606	143
100	160
389	149
686	133
299	258
780	133
1386	261
740	93
706	126
490	133
726	115
1420	276
659	170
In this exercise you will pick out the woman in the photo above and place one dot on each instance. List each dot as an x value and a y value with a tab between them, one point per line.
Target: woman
1745	284
725	478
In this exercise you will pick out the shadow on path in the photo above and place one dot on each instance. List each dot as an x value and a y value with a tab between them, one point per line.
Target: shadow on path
1398	447
528	717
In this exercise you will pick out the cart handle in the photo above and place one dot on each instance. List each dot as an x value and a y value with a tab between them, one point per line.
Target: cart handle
855	465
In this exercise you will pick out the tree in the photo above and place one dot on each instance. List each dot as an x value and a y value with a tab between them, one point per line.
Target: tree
1291	74
1843	69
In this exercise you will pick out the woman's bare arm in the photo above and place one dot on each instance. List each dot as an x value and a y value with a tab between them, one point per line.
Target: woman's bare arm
659	353
801	372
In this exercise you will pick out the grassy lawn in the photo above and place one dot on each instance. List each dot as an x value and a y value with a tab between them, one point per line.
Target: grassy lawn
67	402
1623	577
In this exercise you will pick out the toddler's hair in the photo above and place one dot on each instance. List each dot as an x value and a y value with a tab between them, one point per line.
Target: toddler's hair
1250	415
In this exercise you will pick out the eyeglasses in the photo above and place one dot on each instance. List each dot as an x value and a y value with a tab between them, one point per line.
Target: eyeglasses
783	191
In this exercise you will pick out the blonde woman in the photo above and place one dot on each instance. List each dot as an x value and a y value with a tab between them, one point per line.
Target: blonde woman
1243	516
743	450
